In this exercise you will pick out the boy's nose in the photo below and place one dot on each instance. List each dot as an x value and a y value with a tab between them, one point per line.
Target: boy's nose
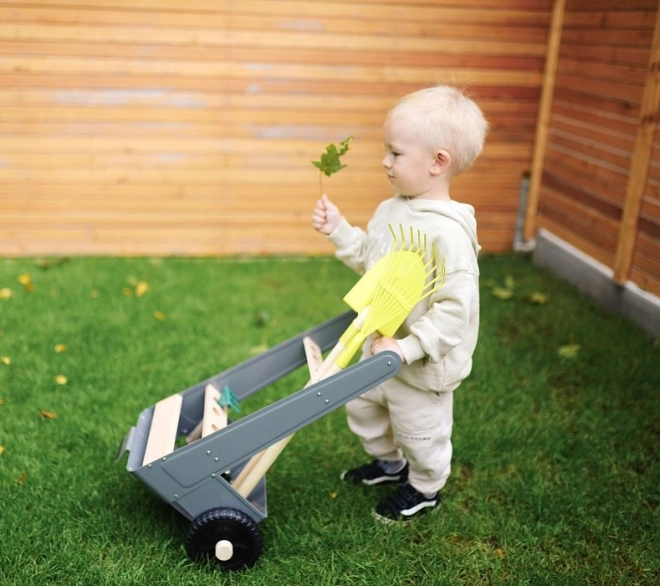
386	162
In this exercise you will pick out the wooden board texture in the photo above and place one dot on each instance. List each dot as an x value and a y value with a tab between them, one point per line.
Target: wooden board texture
607	62
160	127
152	127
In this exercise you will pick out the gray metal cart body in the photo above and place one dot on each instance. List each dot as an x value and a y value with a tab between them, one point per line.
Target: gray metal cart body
193	478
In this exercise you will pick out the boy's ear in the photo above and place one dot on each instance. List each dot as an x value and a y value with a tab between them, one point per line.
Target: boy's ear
441	162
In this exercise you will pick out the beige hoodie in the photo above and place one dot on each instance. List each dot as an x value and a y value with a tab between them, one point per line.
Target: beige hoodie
439	336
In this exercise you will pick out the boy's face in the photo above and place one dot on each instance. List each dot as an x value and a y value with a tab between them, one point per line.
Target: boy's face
407	160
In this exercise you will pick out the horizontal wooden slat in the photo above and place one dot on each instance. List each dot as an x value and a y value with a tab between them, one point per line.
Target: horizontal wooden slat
258	54
616	90
646	282
614	6
600	229
591	132
646	261
598	103
246	86
612	54
633	75
593	150
651	210
618	38
164	98
227	37
456	24
593	18
583	167
577	239
229	69
605	121
198	116
502	11
647	256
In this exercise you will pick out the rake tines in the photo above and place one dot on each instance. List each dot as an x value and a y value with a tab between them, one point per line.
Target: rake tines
434	272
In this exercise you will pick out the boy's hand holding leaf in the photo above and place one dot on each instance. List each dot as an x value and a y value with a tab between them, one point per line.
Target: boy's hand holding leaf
326	216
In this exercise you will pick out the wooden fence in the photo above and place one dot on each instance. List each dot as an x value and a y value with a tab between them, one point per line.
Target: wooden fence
157	127
187	127
596	178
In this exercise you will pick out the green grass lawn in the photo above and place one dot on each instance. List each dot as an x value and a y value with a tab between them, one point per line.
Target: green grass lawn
555	477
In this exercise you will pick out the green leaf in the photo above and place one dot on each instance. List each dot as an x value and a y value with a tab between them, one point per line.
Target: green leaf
330	161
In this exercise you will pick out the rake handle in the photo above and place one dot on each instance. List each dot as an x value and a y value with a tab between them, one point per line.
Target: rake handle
260	463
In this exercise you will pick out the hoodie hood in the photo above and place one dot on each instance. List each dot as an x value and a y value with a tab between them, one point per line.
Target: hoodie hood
461	213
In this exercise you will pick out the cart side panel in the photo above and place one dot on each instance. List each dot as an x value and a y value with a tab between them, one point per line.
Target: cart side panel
226	448
217	493
258	372
244	379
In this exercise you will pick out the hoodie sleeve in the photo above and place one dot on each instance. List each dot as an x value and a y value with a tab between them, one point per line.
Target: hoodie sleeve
445	324
447	318
351	243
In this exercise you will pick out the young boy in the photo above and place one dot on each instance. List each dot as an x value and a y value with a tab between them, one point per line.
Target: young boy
405	424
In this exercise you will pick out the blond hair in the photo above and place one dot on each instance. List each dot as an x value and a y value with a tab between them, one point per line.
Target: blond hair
444	117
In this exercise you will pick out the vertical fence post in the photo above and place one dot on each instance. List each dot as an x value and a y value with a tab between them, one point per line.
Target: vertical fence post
543	120
639	166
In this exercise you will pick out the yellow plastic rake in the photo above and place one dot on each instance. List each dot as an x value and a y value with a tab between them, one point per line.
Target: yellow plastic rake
383	298
386	294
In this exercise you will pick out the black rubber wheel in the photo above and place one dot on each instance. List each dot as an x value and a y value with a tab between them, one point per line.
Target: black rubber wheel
224	525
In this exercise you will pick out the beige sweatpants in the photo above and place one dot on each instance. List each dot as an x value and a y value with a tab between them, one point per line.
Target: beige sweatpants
394	420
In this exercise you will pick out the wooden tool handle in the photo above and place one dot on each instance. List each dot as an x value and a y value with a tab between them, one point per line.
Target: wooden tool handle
260	463
264	461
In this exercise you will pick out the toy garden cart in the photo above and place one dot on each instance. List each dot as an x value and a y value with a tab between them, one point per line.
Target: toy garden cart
204	479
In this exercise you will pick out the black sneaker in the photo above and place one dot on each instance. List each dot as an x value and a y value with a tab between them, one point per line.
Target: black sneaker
372	474
404	505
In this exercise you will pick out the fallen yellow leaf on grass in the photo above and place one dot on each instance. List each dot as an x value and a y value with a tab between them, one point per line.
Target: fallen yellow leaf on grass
59	348
261	348
5	360
60	379
569	351
2	402
538	298
159	315
141	288
26	280
6	293
2	449
502	293
48	414
22	478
